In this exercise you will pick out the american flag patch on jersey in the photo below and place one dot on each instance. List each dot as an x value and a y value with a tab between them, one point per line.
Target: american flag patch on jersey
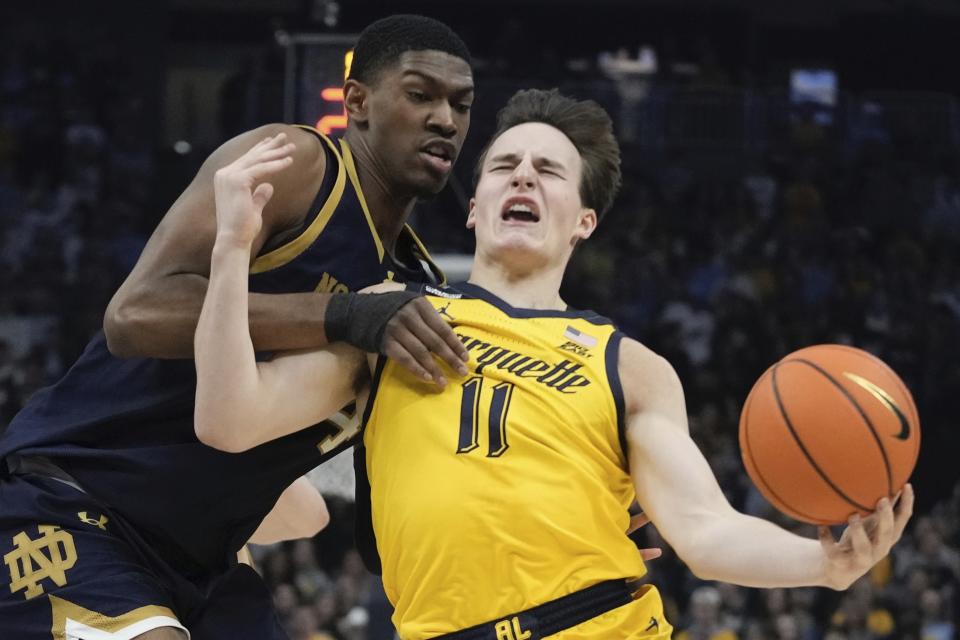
579	337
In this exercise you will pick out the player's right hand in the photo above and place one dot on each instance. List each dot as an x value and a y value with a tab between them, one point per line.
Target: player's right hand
241	193
416	333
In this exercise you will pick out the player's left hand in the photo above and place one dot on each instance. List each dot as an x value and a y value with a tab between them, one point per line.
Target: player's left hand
641	520
865	541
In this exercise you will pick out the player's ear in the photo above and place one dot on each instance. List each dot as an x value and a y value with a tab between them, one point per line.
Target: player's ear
586	224
356	100
472	215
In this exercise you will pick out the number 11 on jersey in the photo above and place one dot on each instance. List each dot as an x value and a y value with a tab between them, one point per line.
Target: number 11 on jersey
496	417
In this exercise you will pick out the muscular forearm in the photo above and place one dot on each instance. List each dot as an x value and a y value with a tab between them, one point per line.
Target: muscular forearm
161	323
748	551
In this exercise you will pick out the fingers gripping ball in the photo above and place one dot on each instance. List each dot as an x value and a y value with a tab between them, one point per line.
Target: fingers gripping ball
828	431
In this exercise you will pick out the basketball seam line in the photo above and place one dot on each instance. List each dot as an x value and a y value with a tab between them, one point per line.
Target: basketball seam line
863	414
803	449
748	450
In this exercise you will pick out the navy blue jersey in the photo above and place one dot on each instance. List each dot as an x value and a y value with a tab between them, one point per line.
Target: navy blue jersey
74	563
123	428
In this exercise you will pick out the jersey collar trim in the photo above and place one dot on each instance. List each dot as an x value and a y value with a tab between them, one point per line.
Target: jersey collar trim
470	290
287	252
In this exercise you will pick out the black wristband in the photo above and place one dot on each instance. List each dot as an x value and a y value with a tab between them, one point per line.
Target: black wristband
361	319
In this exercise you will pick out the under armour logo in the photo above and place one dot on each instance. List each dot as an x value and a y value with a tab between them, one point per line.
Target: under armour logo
100	522
49	556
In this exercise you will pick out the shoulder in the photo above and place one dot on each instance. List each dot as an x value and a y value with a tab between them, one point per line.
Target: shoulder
307	157
295	187
649	380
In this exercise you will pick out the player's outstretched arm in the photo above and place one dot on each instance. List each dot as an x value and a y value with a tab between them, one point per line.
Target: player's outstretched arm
154	312
678	490
241	403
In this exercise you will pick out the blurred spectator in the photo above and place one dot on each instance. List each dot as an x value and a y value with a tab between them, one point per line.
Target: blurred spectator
308	576
935	625
286	600
706	619
860	616
302	625
325	611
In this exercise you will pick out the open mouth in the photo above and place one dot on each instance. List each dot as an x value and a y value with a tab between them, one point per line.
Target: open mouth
440	155
520	211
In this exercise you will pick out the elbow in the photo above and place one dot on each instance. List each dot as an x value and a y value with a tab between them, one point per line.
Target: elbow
216	435
318	521
318	516
699	569
118	328
323	517
695	544
698	561
300	513
691	556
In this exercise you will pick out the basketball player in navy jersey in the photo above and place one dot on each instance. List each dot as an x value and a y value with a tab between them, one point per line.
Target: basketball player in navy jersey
115	521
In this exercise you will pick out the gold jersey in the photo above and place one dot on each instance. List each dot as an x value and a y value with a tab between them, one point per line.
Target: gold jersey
510	487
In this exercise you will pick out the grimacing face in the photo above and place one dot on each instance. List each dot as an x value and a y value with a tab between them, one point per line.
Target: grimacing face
527	210
418	114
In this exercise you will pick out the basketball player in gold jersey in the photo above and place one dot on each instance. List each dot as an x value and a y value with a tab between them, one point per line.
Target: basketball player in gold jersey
499	503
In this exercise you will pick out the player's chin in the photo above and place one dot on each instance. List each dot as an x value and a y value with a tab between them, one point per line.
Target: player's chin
515	243
428	186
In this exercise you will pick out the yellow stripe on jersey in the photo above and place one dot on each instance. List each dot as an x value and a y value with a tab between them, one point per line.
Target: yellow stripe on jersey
287	252
509	488
355	179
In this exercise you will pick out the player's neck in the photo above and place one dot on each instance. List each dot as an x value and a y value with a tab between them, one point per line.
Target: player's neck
388	210
528	289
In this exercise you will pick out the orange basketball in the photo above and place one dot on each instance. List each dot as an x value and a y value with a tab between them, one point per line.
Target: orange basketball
828	431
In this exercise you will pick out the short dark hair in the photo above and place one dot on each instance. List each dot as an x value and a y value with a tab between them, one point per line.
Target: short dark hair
382	42
588	127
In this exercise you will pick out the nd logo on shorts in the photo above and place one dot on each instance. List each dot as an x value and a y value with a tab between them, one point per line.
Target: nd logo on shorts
49	556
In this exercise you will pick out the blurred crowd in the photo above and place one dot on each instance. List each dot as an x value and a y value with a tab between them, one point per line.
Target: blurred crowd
723	267
323	592
76	172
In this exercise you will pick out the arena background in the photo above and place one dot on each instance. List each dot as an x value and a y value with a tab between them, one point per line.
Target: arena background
792	176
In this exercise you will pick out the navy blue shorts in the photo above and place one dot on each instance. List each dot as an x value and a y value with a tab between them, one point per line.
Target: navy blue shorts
73	569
